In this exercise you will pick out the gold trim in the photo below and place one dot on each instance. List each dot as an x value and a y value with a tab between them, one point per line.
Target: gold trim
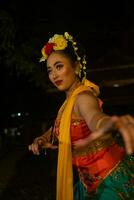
110	171
95	146
101	120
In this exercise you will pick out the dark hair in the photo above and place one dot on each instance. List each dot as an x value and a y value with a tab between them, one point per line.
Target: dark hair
70	53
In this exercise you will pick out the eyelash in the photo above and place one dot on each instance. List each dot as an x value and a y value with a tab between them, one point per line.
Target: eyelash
57	67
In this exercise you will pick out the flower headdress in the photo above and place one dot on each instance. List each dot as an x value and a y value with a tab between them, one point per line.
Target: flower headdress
60	42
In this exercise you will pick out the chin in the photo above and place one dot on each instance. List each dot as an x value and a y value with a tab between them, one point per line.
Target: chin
61	88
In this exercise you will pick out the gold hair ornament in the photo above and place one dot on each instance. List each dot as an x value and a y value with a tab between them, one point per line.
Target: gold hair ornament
60	42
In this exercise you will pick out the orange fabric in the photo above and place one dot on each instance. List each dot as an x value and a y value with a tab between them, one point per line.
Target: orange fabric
79	130
98	165
94	165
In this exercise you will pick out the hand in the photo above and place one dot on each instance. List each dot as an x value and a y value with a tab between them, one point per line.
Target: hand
124	125
50	146
80	144
38	144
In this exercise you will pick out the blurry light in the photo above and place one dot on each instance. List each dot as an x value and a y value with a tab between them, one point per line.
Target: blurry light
12	115
19	114
18	133
116	85
5	131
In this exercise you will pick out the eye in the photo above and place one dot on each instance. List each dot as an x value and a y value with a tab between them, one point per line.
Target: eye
59	66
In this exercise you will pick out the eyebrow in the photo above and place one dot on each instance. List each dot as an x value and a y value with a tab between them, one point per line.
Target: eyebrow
57	62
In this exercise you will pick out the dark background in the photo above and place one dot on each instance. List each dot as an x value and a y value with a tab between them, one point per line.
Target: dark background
29	102
104	29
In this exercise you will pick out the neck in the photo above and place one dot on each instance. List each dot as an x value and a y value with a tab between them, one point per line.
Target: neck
75	84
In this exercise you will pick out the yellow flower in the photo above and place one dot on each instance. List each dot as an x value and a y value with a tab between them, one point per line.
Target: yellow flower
59	41
44	55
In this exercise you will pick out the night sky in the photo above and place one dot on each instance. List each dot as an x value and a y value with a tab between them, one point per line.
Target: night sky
105	29
29	103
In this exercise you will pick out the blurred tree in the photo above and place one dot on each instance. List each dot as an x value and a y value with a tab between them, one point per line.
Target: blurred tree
20	57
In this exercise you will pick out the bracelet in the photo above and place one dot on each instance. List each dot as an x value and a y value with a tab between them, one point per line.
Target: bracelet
100	121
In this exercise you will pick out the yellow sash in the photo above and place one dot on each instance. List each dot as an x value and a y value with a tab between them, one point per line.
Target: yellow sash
64	168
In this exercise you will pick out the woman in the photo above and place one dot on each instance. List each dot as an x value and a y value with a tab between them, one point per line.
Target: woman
86	135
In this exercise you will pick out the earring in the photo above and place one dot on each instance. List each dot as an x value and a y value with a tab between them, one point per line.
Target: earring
76	72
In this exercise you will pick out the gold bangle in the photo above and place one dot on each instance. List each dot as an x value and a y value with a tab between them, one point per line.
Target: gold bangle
100	121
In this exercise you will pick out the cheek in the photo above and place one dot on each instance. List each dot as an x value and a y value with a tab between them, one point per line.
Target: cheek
50	77
67	72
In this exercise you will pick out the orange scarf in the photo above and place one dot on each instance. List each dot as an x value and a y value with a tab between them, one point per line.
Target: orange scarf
64	169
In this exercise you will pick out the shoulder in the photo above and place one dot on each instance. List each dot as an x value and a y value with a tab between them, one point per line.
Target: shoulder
86	105
86	97
86	102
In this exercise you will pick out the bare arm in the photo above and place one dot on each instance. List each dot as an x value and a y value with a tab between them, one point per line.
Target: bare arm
87	107
45	137
100	123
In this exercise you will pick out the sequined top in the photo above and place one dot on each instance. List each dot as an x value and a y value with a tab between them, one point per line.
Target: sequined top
95	162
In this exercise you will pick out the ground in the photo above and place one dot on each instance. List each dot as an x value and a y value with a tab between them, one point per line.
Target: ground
24	176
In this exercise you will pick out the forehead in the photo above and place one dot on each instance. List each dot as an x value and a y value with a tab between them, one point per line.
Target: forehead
57	56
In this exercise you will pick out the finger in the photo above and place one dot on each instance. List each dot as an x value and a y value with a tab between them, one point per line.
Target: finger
127	134
29	148
54	147
125	119
51	146
130	119
131	128
79	144
75	146
35	149
128	122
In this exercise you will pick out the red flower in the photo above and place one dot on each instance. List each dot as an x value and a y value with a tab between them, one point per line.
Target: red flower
49	48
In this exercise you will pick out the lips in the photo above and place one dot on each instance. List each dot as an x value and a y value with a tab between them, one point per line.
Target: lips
58	82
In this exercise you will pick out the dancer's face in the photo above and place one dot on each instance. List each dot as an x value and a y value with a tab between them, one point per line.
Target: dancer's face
61	71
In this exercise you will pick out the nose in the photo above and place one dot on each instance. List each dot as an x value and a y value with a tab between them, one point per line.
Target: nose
54	75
